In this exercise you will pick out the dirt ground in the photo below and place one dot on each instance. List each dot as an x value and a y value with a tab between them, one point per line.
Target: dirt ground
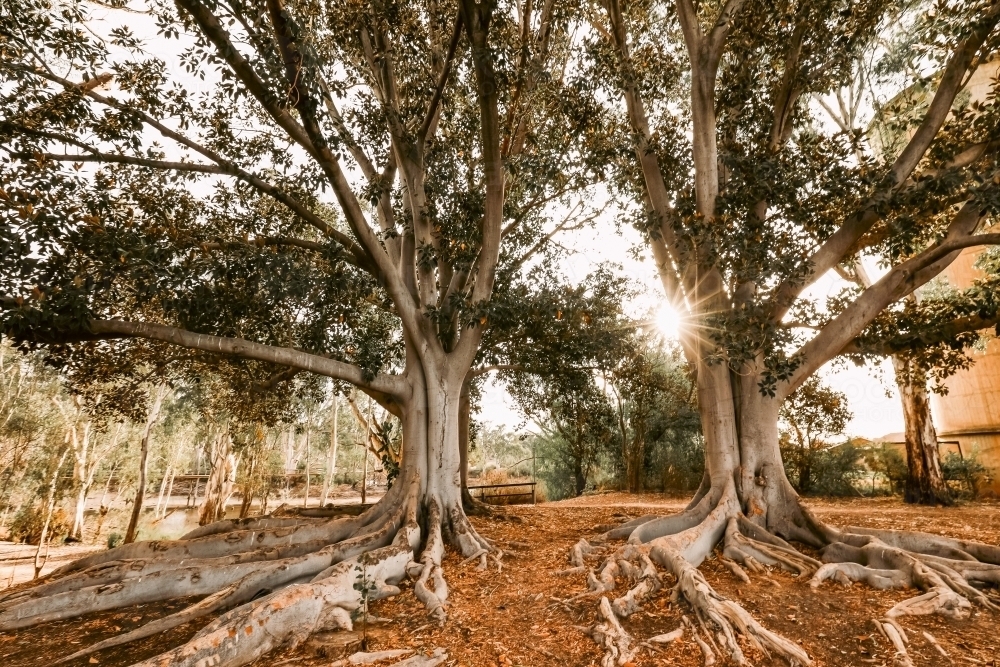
521	616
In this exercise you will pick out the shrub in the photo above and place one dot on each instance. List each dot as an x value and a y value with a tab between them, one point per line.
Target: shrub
965	473
26	527
677	464
888	463
826	471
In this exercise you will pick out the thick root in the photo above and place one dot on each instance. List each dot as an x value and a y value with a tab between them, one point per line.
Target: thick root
948	572
430	587
116	571
274	581
609	633
749	544
946	590
195	578
727	617
289	616
680	544
219	545
253	523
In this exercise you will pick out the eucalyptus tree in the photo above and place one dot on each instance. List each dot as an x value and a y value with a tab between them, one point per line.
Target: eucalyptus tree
336	198
746	204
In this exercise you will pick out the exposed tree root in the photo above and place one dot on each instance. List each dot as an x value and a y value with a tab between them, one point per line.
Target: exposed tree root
280	579
949	573
609	634
946	586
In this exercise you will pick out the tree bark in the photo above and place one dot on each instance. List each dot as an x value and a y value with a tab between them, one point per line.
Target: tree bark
330	473
925	483
220	480
140	493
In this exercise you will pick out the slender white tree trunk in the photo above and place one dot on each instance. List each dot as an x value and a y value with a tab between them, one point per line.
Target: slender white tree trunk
331	452
159	394
50	504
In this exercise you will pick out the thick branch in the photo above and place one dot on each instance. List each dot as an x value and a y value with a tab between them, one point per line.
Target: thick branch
309	137
237	347
836	248
900	281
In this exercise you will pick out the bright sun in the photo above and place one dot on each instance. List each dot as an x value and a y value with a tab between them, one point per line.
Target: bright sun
669	321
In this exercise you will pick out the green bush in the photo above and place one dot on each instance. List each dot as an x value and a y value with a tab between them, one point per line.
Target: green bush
677	464
965	475
826	471
888	464
26	527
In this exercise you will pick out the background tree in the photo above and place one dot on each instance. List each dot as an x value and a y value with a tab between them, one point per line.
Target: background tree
813	415
653	403
925	482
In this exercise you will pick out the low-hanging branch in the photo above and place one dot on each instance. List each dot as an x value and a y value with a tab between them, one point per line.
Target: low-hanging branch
283	356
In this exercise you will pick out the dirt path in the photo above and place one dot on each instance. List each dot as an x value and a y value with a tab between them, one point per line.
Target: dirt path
518	617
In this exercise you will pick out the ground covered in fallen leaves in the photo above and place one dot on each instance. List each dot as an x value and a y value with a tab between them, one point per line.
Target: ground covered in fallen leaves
526	614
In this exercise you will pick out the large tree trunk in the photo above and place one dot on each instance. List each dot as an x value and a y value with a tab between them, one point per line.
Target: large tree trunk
924	480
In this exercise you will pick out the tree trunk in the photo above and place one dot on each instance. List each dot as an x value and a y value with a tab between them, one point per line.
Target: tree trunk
220	480
471	505
50	504
634	462
925	483
329	475
163	489
82	454
305	500
140	493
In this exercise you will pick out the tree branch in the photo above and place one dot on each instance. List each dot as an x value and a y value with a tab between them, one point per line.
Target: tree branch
237	347
228	167
309	137
434	105
941	334
835	249
897	283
